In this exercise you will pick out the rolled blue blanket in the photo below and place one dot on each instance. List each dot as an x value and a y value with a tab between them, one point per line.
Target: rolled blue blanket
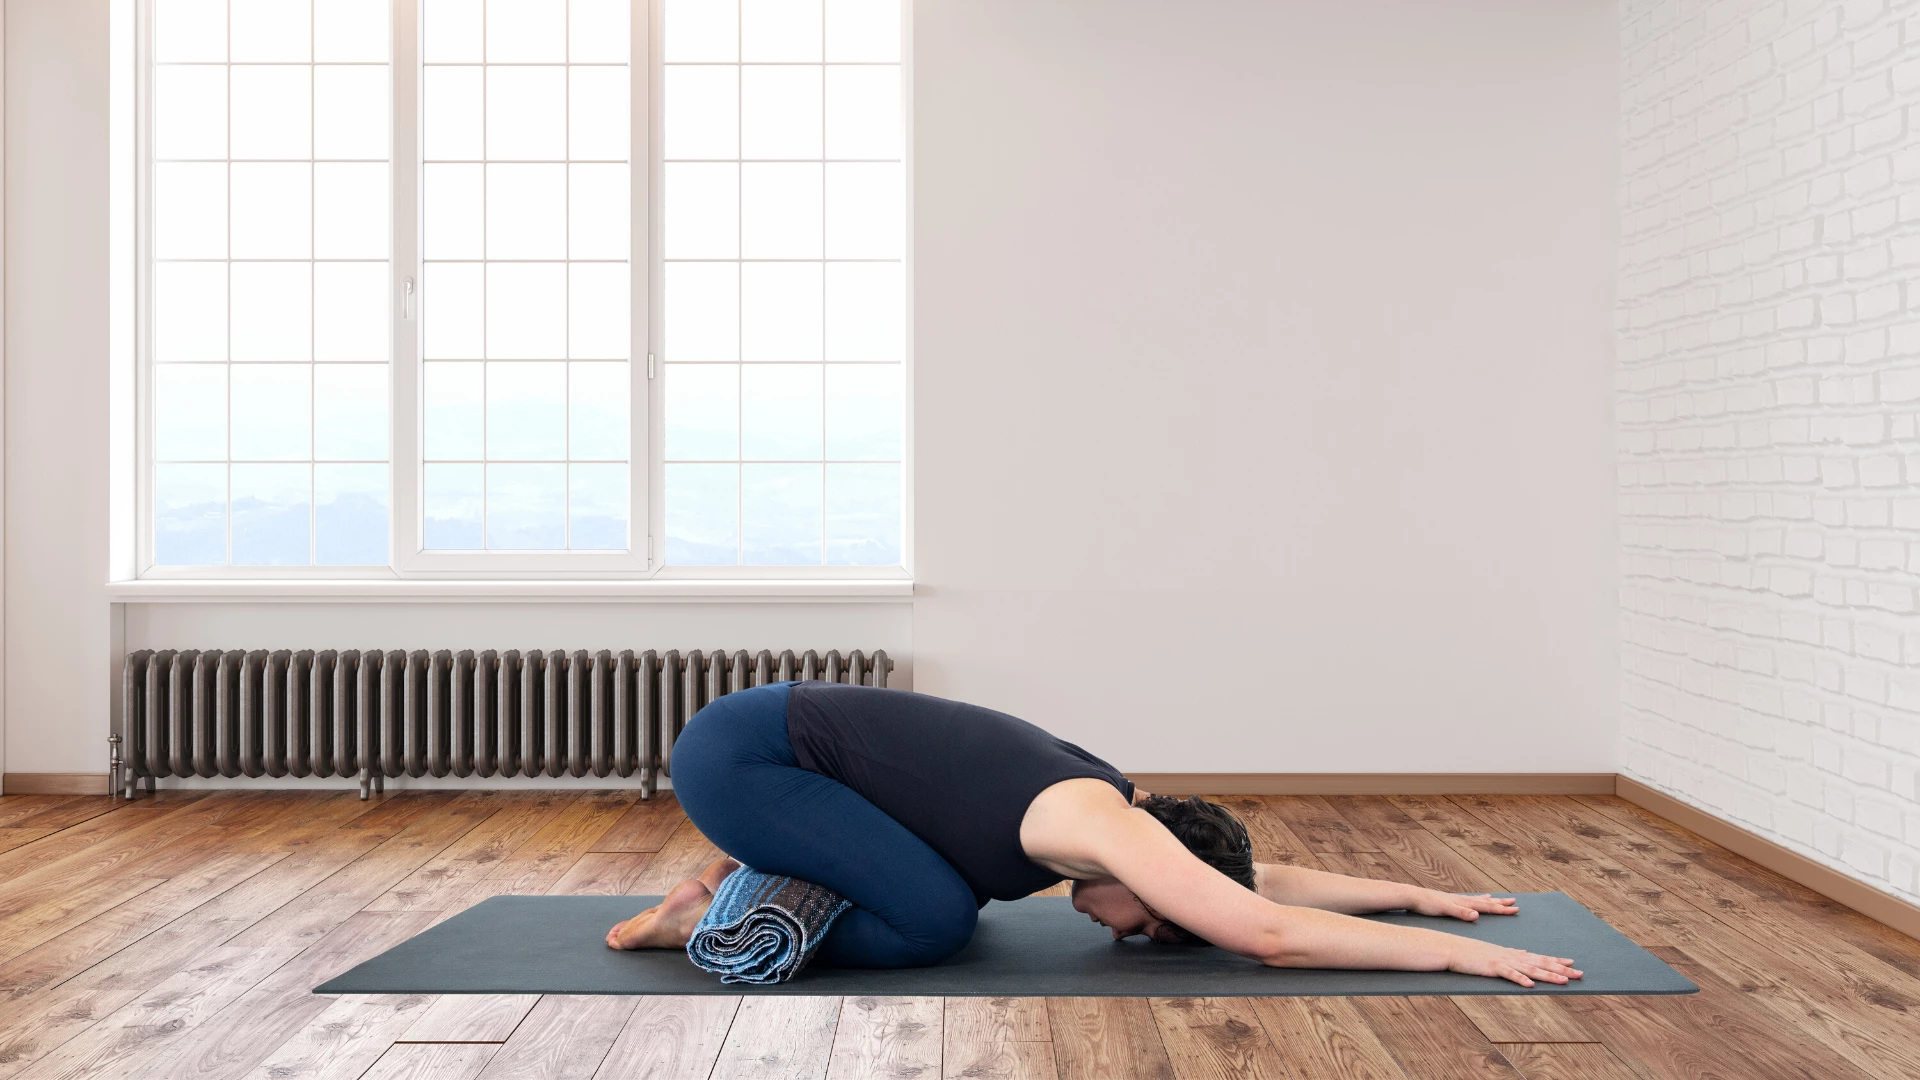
762	929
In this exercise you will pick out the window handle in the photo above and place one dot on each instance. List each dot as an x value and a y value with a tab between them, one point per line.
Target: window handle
406	299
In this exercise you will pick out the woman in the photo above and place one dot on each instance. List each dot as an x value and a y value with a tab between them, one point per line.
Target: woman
919	810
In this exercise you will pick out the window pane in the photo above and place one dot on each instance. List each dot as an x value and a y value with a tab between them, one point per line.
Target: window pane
597	499
526	506
272	513
272	210
452	32
597	106
453	302
773	30
527	211
350	412
189	112
190	412
526	113
780	111
189	31
189	211
351	309
703	515
454	503
598	315
703	412
863	515
780	311
350	112
350	210
350	515
702	112
350	30
597	409
702	30
703	211
270	30
271	412
189	515
455	411
599	199
866	312
865	411
780	515
780	413
272	107
525	32
189	311
526	311
456	207
272	315
780	211
866	211
455	126
863	112
863	30
599	31
527	412
702	311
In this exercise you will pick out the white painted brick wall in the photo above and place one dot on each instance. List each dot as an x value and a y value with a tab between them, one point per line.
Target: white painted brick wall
1769	397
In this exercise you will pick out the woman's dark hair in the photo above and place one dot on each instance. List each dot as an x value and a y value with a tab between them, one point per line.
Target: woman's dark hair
1212	833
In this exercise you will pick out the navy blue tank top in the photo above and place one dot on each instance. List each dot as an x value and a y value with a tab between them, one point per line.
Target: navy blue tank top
958	776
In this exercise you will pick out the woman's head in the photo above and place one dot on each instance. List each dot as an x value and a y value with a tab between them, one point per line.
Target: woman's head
1207	829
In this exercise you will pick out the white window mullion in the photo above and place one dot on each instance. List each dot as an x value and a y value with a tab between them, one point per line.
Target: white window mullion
405	471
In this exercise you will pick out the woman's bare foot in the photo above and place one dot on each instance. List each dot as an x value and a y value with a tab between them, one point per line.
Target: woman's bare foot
668	924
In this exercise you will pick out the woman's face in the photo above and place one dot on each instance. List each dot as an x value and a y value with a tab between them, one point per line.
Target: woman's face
1113	905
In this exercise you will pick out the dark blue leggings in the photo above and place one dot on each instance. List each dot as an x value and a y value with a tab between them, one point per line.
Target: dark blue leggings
735	774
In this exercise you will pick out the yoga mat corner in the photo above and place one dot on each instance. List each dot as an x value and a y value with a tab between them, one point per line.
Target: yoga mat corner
1036	947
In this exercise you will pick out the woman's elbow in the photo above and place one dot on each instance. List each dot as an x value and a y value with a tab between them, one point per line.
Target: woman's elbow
1278	949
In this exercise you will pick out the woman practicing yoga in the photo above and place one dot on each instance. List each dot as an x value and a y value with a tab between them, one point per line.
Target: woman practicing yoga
919	810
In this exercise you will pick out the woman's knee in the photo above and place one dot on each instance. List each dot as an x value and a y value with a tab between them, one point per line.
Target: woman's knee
944	923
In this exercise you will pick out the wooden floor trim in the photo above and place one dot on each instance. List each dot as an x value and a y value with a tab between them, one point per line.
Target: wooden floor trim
1865	899
1375	783
53	783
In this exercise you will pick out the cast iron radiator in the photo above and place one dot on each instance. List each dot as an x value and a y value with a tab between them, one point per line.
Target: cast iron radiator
371	715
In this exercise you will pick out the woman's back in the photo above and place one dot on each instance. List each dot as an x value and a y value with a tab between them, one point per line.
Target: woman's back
958	776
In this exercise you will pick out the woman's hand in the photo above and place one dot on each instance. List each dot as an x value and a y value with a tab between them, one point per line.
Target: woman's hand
1471	957
1464	908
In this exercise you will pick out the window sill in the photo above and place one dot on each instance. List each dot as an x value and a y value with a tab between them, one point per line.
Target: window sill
291	590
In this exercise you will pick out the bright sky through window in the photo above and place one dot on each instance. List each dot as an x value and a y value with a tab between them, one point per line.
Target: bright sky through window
270	279
784	281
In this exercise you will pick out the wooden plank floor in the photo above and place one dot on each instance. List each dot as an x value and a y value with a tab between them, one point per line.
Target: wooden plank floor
178	936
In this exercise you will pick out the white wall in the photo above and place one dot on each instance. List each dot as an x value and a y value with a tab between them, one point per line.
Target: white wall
1263	361
1263	378
1769	457
56	633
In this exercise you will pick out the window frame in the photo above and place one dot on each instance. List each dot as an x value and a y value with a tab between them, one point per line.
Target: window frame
407	556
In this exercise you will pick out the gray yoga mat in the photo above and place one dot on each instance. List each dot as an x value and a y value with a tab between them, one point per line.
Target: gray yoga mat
1037	947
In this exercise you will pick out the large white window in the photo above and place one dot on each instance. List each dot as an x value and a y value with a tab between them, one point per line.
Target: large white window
509	286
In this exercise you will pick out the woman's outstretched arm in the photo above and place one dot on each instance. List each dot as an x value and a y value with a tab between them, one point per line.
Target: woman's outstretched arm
1298	886
1087	833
